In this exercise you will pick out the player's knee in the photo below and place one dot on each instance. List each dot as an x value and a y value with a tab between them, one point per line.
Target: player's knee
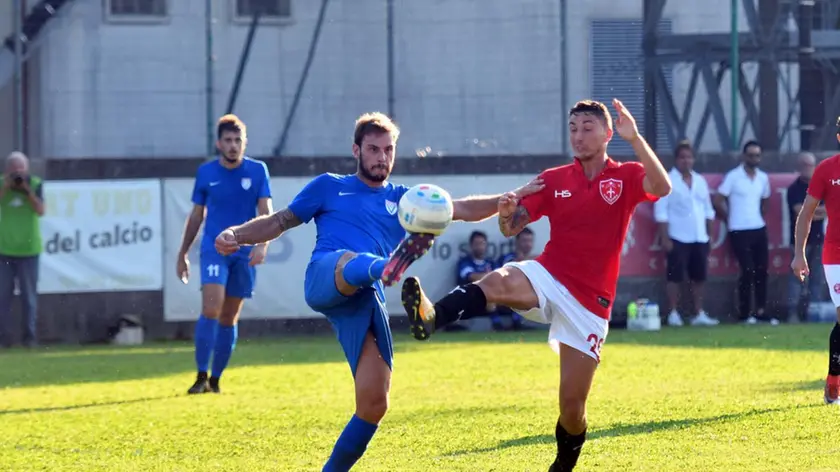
211	311
505	287
228	318
341	284
371	405
495	287
573	414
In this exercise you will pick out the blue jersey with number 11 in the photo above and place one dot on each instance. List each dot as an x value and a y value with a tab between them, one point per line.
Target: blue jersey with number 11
230	196
351	215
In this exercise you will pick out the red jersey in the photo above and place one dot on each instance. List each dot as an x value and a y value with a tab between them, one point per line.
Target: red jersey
825	186
588	221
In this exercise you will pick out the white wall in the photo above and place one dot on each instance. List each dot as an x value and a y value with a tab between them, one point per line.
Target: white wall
472	76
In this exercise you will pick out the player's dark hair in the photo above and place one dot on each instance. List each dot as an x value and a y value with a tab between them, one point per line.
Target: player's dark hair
525	230
751	142
592	107
230	123
374	123
477	234
684	145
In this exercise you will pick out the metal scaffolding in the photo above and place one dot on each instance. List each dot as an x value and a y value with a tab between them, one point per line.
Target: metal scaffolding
769	44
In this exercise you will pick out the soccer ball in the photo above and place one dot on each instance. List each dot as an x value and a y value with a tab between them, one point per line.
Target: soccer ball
426	208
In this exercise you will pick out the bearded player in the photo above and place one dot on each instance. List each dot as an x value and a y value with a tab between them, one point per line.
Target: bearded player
229	190
571	285
357	251
824	188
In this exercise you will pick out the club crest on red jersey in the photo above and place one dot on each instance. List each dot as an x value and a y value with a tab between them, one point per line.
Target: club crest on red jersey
611	190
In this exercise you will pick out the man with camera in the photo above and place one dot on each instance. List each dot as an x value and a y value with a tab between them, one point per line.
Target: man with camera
21	206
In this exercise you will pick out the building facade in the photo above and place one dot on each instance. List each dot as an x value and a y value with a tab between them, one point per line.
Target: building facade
119	78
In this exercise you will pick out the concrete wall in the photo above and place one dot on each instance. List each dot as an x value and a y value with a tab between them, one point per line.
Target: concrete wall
7	117
32	93
472	77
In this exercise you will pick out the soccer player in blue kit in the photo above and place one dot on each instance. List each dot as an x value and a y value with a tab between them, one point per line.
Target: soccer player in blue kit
229	190
359	250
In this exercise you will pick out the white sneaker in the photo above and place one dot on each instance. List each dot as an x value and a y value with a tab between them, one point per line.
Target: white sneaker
674	319
703	319
751	320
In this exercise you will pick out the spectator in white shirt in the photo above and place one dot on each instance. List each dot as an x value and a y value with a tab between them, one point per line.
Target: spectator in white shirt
742	200
685	219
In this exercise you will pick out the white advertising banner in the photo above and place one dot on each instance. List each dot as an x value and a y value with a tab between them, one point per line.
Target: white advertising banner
279	287
101	236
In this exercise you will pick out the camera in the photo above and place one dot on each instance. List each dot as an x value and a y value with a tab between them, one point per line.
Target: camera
17	179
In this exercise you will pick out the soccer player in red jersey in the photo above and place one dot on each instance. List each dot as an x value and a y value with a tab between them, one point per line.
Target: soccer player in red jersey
825	187
571	285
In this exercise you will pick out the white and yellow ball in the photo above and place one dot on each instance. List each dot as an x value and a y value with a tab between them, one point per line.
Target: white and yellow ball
426	208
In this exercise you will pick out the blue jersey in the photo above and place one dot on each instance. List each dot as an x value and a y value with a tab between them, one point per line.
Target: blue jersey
230	196
350	215
511	256
467	265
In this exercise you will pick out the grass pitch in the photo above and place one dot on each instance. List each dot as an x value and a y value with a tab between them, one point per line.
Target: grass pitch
698	399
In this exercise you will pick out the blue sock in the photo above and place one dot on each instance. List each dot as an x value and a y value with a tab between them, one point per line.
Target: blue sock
364	270
205	338
496	319
350	445
516	317
225	342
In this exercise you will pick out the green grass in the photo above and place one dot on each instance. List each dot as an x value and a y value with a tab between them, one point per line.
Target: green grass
726	398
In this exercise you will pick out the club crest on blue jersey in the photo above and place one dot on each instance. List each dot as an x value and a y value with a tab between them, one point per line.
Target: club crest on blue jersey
391	207
246	183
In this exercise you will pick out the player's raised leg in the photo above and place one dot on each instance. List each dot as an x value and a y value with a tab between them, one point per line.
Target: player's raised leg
410	249
363	269
373	383
506	286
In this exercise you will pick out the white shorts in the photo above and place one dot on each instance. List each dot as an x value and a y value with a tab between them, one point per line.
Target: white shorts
832	278
571	323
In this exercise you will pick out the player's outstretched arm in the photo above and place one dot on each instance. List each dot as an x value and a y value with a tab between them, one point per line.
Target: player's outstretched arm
479	208
265	228
475	208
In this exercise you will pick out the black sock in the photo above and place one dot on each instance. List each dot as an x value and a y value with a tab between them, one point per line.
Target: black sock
834	351
568	449
461	303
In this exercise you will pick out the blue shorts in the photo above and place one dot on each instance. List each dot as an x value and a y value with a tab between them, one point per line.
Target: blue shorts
233	272
351	317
